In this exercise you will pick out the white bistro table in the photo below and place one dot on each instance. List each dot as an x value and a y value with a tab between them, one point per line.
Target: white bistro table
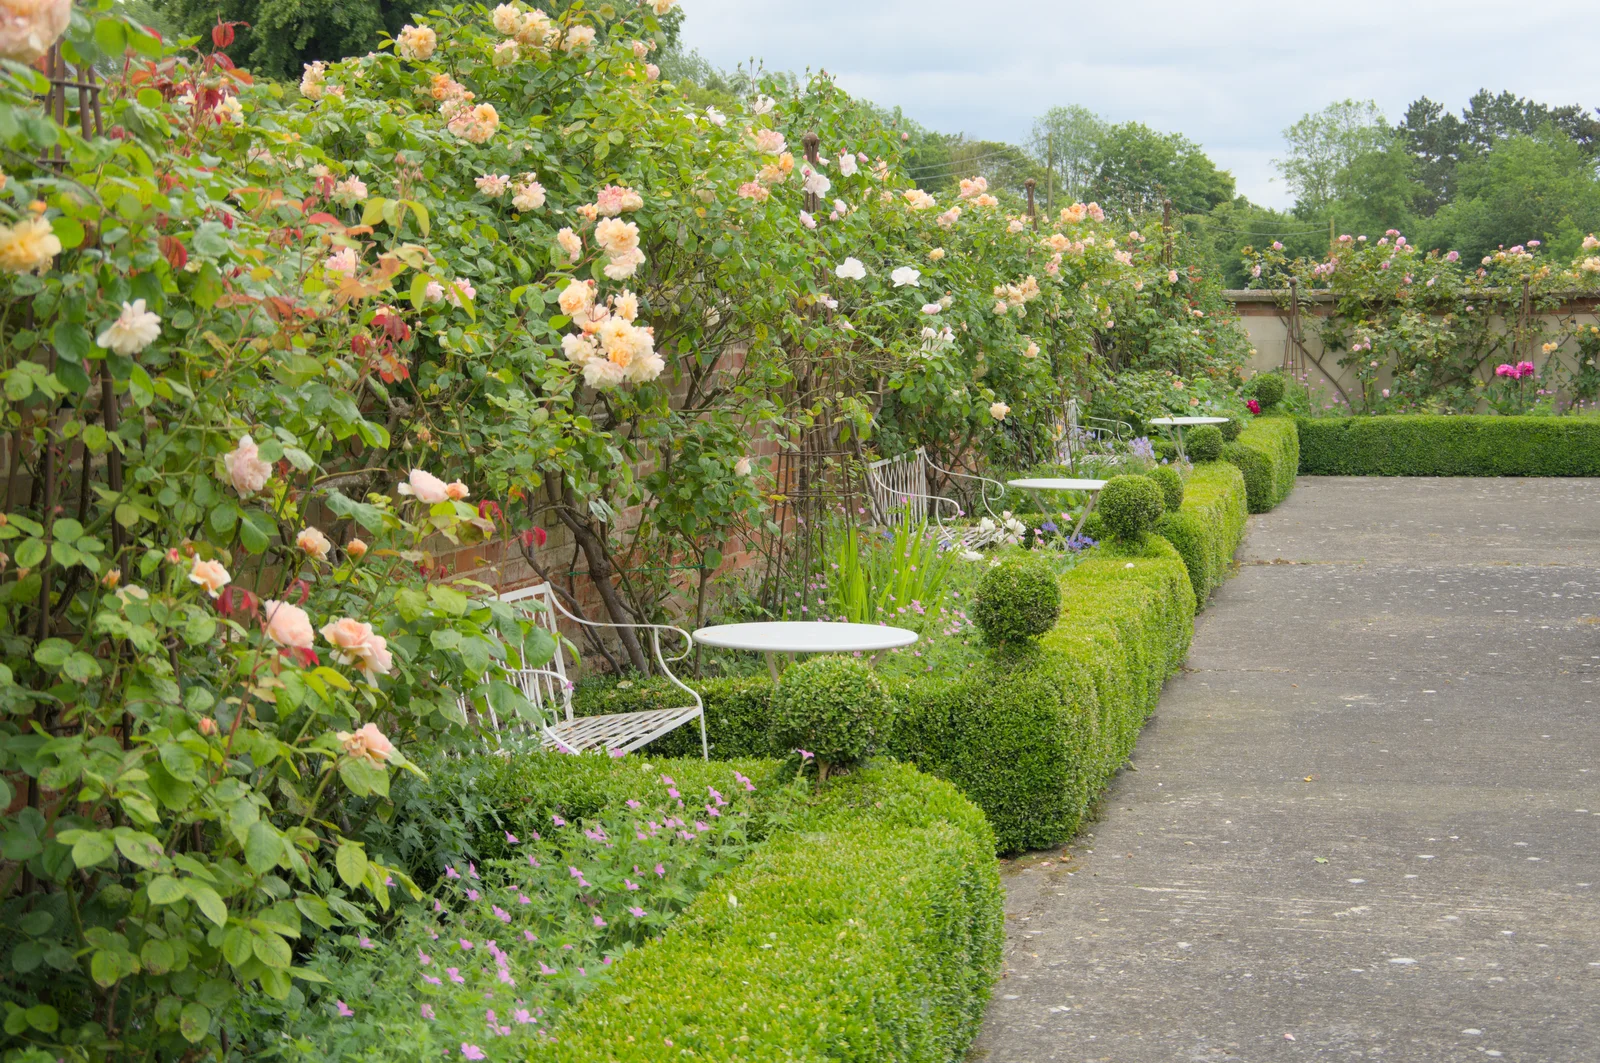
1190	422
804	636
1092	487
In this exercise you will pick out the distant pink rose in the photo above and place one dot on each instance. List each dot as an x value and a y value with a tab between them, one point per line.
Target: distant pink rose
210	575
367	743
245	467
456	490
425	487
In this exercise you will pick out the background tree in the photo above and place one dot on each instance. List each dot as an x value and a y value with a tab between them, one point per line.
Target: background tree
1137	167
1323	143
1066	140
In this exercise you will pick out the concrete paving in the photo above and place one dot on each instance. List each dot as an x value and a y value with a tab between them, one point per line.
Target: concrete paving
1365	821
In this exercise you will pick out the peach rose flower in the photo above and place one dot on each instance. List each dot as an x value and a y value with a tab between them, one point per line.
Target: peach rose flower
355	644
288	625
456	490
313	542
368	742
210	575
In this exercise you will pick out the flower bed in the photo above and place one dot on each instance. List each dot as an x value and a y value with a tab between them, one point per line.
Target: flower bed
548	943
1466	445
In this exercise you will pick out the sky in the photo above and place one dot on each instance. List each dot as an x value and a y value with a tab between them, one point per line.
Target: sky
1230	76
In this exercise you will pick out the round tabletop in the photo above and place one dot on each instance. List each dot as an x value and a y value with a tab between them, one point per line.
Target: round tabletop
1190	420
805	636
1053	484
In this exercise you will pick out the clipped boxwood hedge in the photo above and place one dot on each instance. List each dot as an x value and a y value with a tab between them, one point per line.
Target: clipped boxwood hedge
1209	526
1465	445
1033	736
1268	454
870	930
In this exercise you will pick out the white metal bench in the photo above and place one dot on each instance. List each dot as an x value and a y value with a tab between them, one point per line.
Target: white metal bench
1078	437
550	690
898	491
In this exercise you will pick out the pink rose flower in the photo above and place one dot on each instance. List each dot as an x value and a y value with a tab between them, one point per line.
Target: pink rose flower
313	542
456	490
245	467
426	487
355	644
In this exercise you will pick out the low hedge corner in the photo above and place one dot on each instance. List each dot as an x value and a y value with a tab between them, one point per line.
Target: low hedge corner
1268	454
1208	528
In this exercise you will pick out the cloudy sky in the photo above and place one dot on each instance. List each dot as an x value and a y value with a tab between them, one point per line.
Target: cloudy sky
1230	76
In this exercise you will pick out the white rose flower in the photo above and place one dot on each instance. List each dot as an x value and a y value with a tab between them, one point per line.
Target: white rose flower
133	330
851	269
906	275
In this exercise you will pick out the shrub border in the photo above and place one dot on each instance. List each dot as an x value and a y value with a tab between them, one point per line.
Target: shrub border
1456	445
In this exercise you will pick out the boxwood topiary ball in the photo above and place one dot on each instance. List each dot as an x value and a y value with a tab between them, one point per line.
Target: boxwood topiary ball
1171	484
833	707
1131	505
1018	600
1232	428
1203	443
1268	389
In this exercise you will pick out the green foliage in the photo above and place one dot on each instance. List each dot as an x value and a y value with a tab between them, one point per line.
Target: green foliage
871	930
1018	600
898	577
1420	445
1171	483
1208	528
1203	443
1267	389
1268	454
1130	506
832	707
1231	428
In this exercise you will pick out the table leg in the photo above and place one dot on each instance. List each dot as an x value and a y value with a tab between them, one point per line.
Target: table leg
772	666
1179	429
1094	496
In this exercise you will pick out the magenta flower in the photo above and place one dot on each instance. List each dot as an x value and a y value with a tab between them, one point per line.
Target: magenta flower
672	791
423	958
661	870
472	895
634	804
472	1051
511	839
545	968
630	884
574	872
666	780
431	980
523	898
637	913
455	975
531	861
451	872
465	944
558	821
472	869
522	1016
598	921
501	914
427	1011
344	1009
804	755
530	936
367	943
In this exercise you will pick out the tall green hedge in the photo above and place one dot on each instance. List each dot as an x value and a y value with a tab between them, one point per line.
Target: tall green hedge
1468	445
1209	526
870	930
1031	736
